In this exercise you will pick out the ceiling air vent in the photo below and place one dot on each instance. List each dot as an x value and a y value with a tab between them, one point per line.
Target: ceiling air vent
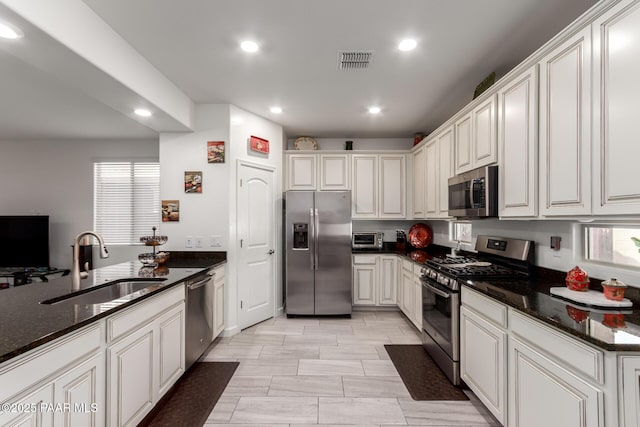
354	60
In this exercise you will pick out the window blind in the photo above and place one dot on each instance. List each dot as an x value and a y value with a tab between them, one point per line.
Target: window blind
126	200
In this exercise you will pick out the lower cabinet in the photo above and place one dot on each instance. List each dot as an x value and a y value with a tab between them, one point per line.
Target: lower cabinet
145	356
218	301
543	393
410	296
629	390
375	280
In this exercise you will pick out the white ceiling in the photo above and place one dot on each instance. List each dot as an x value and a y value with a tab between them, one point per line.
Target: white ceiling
194	43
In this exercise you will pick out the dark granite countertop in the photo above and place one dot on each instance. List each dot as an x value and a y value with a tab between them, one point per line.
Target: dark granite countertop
27	324
611	329
416	255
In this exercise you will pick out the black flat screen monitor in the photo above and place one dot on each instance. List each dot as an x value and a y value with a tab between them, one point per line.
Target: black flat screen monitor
24	241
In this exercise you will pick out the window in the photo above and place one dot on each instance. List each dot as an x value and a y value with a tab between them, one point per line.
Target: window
126	200
460	232
613	244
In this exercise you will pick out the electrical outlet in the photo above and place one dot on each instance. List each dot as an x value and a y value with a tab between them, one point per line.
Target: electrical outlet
215	241
188	242
199	240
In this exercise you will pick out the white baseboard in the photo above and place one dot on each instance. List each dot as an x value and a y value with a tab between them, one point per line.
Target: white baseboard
228	332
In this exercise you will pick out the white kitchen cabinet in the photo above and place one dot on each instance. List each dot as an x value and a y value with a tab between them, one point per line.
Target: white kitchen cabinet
476	137
439	157
629	390
419	169
365	279
407	294
302	172
335	172
70	370
518	146
616	187
364	196
218	300
392	186
388	280
483	350
416	317
375	280
565	127
145	355
544	393
378	186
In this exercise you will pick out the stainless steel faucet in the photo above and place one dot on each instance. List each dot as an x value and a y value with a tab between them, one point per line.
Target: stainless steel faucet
76	274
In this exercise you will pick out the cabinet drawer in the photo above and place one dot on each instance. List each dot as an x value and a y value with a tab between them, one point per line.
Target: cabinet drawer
37	366
131	319
364	259
579	357
485	306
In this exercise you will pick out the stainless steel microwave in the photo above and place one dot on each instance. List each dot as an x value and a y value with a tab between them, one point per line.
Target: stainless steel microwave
367	240
474	194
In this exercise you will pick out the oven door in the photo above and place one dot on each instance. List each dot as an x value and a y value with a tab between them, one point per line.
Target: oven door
441	316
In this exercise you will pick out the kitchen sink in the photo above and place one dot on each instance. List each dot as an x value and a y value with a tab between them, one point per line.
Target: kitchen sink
106	292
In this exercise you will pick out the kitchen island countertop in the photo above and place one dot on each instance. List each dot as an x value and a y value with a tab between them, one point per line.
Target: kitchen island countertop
27	324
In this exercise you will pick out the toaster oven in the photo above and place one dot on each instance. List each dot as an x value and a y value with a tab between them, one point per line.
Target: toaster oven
367	240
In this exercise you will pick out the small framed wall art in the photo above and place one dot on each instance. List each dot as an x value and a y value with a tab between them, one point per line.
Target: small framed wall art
170	210
215	151
259	144
193	182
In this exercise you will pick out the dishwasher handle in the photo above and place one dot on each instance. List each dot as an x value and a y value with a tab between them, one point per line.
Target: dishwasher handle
200	283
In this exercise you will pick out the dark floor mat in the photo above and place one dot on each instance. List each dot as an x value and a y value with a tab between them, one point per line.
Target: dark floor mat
193	397
420	374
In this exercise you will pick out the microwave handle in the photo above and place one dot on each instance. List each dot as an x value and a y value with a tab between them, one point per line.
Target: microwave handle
472	185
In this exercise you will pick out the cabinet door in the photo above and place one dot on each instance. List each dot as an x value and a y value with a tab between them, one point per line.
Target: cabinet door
83	390
483	351
629	390
542	393
565	135
364	196
171	343
392	186
445	170
417	302
37	418
484	142
419	182
463	144
335	172
365	281
432	174
517	133
218	307
408	294
388	280
616	187
301	172
131	378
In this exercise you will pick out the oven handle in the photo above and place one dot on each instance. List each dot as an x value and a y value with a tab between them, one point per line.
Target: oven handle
436	291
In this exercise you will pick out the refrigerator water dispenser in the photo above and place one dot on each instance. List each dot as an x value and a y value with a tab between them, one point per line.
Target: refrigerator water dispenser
300	236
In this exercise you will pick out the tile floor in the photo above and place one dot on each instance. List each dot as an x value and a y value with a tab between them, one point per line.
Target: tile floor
332	372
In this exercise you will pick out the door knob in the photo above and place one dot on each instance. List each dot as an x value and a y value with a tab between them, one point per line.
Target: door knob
271	252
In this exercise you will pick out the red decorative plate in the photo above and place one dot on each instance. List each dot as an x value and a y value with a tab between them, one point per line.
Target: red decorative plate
420	235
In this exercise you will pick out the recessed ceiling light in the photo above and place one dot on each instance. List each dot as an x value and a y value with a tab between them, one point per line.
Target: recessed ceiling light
8	31
276	110
142	112
374	110
249	46
407	44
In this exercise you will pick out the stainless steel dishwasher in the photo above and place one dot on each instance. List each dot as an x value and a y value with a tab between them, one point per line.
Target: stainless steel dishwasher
199	323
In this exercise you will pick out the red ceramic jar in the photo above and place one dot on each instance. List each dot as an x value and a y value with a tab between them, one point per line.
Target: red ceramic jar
577	279
613	289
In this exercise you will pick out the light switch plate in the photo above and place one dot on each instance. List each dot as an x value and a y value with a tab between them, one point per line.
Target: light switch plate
188	242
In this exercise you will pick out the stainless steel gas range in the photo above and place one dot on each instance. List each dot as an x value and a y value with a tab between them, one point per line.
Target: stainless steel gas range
497	259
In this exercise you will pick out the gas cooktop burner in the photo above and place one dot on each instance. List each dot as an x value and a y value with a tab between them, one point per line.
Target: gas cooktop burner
466	266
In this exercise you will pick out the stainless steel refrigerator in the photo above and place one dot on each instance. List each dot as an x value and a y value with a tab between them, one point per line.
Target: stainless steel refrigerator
318	252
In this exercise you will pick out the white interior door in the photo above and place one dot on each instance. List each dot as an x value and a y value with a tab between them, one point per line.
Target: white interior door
256	234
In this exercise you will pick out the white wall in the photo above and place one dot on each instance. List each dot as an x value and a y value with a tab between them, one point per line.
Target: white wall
213	212
378	144
55	178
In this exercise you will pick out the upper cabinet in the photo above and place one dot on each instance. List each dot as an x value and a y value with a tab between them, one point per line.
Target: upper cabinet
475	133
378	186
335	172
565	127
301	172
418	163
616	91
518	146
439	160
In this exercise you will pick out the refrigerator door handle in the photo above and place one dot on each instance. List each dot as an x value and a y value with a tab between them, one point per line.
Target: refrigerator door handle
316	229
312	239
